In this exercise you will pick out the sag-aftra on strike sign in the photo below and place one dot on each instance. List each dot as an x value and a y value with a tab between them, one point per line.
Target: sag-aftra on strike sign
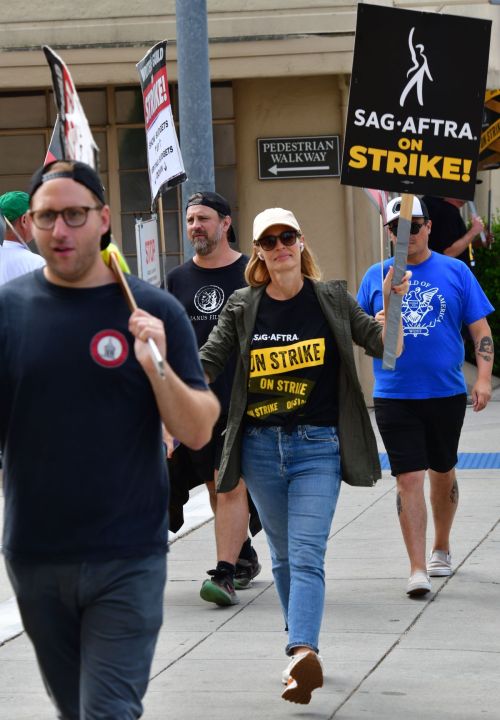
416	102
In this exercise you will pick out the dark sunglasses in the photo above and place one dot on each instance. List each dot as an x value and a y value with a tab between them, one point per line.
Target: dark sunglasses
287	237
414	227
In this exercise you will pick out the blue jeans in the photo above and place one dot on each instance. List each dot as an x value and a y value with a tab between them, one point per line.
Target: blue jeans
294	480
94	628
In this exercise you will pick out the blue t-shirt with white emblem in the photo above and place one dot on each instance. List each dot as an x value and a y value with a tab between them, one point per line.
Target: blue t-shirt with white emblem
443	295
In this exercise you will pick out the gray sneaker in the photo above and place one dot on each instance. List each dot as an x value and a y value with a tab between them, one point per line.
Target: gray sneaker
439	564
418	584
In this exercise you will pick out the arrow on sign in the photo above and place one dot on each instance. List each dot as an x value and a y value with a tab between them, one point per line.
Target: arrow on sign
275	169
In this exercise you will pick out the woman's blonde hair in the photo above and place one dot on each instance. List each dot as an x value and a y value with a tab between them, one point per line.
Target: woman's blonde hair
257	274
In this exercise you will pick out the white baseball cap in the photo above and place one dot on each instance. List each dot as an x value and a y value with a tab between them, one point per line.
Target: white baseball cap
273	216
394	208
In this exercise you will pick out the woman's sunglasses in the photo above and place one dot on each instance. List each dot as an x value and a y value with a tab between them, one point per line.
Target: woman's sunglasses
287	237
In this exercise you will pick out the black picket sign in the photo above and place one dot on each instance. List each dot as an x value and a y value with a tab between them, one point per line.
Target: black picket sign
416	102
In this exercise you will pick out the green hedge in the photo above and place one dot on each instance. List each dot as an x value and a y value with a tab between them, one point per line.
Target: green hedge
487	271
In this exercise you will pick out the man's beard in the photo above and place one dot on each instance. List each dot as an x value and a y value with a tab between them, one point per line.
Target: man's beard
204	245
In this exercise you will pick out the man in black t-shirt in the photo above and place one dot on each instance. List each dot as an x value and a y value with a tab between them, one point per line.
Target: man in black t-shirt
85	478
203	285
449	234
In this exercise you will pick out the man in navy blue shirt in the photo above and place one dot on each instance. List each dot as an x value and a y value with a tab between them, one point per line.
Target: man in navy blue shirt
85	478
420	406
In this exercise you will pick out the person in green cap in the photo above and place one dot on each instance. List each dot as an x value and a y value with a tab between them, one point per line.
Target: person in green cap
15	256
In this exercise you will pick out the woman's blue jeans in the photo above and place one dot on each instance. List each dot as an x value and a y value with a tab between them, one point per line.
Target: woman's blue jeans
294	480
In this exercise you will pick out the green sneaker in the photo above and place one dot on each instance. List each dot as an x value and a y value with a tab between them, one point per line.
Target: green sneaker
219	589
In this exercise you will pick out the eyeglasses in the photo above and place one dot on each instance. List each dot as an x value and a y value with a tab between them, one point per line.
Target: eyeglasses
415	227
73	217
287	237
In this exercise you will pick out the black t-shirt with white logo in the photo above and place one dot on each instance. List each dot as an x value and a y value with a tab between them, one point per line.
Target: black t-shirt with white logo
294	364
204	292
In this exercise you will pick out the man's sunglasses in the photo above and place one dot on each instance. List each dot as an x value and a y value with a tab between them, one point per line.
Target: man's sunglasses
415	227
287	237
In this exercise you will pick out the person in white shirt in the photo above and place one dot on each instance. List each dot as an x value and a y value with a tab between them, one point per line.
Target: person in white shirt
15	256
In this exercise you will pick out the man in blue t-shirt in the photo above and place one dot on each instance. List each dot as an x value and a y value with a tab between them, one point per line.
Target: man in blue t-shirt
85	478
420	406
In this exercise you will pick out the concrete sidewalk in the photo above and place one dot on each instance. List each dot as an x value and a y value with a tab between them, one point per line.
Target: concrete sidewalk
385	656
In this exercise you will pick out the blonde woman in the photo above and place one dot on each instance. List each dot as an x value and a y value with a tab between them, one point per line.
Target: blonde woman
297	422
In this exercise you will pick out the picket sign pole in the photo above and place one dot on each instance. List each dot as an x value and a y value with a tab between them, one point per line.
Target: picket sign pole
473	211
393	318
381	231
163	250
162	226
13	229
122	281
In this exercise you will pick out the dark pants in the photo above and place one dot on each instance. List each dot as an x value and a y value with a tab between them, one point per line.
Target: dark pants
94	627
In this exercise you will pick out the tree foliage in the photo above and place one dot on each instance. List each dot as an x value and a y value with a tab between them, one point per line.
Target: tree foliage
487	271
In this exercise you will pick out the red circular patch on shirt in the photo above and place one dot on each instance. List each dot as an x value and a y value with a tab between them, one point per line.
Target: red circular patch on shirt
109	348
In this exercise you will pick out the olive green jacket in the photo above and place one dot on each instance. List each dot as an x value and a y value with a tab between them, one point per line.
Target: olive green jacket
348	322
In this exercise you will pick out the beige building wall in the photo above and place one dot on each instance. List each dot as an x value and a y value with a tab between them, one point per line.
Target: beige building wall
102	40
291	107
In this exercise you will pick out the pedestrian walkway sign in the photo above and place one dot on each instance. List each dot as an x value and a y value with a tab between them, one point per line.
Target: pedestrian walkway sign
298	157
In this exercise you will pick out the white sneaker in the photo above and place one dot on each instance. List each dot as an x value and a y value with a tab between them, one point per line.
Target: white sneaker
286	672
439	564
418	584
303	674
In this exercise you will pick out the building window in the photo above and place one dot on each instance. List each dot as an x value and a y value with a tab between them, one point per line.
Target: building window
116	118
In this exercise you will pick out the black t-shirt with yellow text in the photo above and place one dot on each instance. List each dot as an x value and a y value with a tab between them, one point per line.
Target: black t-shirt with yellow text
294	364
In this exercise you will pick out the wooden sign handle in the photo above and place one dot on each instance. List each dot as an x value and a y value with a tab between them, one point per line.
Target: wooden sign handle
122	281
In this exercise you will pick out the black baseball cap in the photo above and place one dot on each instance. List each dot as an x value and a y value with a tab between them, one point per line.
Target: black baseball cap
81	173
216	202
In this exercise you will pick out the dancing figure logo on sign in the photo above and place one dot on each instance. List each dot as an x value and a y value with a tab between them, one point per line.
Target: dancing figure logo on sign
417	72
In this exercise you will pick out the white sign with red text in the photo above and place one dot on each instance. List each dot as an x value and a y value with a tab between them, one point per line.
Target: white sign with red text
72	128
164	156
148	254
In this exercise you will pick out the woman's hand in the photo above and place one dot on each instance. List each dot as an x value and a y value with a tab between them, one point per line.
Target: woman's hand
400	289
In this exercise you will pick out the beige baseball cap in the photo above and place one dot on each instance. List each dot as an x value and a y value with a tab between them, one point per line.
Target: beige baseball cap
273	216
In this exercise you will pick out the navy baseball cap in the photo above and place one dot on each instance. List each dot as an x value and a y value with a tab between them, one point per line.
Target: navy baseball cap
216	202
81	173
